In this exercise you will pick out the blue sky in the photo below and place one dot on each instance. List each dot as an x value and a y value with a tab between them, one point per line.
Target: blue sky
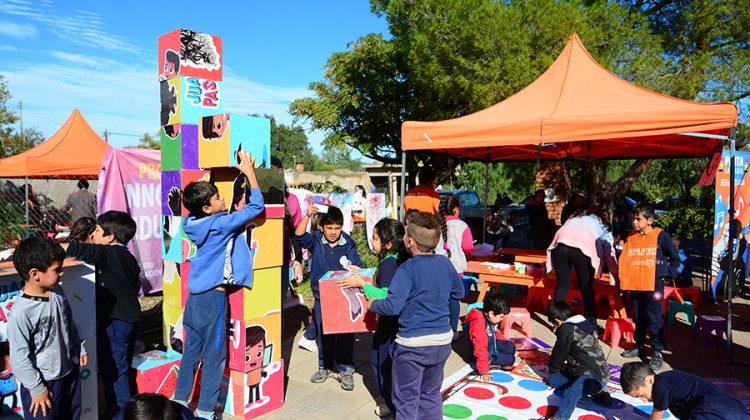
101	56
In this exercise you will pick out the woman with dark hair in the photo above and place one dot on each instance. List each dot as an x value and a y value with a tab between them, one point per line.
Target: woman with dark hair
584	242
540	229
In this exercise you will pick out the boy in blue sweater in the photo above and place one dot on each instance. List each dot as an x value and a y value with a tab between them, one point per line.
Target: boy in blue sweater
222	258
331	249
420	293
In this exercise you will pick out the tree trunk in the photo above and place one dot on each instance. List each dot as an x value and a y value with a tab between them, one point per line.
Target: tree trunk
606	195
554	175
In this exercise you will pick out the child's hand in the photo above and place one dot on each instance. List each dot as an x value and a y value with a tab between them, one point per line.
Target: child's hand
42	401
352	281
298	274
247	163
312	210
487	377
84	360
369	303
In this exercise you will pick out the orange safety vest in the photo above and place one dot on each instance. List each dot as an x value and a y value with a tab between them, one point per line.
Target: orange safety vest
638	261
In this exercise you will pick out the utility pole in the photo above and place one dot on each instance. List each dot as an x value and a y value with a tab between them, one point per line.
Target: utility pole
26	186
106	136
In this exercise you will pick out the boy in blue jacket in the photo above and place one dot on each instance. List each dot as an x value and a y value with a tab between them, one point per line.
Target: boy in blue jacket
420	293
222	257
331	249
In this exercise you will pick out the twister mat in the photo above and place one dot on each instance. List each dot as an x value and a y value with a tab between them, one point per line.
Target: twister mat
521	393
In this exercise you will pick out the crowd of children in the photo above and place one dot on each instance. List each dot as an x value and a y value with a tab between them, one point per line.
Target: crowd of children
416	293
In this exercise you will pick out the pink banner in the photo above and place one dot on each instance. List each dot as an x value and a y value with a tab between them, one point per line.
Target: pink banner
130	181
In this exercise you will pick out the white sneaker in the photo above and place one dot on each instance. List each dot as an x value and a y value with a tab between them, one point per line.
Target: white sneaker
307	344
382	410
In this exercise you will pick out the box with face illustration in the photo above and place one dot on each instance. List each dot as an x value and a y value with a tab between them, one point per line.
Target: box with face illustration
344	310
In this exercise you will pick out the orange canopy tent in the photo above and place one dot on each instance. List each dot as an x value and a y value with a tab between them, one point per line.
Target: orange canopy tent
577	109
74	150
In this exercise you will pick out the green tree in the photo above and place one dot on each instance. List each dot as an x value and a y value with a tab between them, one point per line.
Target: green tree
147	141
289	144
11	140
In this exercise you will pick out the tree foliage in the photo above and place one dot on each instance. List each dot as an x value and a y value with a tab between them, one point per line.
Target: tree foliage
448	59
147	141
11	140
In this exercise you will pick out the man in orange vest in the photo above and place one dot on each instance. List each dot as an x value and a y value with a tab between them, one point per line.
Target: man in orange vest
423	197
649	256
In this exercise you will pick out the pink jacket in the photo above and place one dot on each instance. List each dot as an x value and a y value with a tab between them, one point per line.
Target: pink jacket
588	234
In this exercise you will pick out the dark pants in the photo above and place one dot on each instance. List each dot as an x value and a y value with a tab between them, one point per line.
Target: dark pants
205	323
380	357
115	355
563	258
417	376
573	389
65	394
505	354
648	314
454	306
332	348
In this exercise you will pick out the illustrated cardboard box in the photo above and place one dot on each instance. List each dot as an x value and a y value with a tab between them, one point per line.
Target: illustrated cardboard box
186	99
173	184
258	339
221	136
344	310
171	238
183	52
179	146
248	402
265	235
174	332
157	371
172	284
264	297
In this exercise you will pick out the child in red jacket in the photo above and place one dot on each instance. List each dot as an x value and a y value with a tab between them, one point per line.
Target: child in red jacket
488	346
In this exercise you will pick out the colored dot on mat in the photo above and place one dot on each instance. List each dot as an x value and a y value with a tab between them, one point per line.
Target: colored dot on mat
547	410
455	411
532	385
645	411
501	377
478	393
518	403
491	417
591	417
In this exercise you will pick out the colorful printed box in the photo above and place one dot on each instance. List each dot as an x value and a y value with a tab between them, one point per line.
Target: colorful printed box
171	193
179	147
344	310
264	297
174	332
186	99
183	52
171	238
249	395
189	133
232	185
221	136
254	344
171	283
265	237
189	176
156	371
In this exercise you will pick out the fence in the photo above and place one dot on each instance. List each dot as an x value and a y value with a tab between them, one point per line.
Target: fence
38	212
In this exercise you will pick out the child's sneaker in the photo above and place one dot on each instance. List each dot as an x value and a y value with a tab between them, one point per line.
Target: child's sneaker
657	362
320	376
382	410
632	353
307	344
209	415
602	398
346	377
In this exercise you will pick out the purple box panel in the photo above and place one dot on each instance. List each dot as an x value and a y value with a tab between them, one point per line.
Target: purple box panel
190	146
171	183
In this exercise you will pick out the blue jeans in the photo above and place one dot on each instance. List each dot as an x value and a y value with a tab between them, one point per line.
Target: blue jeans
205	323
573	389
115	355
338	348
65	394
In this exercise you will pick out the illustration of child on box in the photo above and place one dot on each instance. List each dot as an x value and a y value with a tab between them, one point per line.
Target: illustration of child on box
257	357
8	384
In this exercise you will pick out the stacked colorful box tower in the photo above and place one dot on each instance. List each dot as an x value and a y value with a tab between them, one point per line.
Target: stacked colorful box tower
200	142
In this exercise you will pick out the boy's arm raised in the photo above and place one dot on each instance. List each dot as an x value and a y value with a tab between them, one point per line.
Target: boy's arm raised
90	253
300	232
254	206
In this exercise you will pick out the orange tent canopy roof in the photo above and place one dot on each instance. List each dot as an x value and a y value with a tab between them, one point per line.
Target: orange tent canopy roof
74	150
577	109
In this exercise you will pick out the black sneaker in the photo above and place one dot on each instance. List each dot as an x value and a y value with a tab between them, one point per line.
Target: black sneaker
602	398
632	353
657	362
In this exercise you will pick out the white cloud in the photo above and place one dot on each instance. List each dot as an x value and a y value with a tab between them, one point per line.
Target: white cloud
17	30
8	48
123	98
79	27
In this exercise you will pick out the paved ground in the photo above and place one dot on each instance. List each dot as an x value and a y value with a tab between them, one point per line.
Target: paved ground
325	401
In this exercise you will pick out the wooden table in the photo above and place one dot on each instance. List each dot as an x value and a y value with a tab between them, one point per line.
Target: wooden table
496	276
526	256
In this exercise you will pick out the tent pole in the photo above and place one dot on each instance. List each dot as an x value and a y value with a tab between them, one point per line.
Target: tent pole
26	202
486	195
730	245
402	216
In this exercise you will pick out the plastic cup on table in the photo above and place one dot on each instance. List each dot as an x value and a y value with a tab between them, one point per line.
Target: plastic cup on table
520	268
